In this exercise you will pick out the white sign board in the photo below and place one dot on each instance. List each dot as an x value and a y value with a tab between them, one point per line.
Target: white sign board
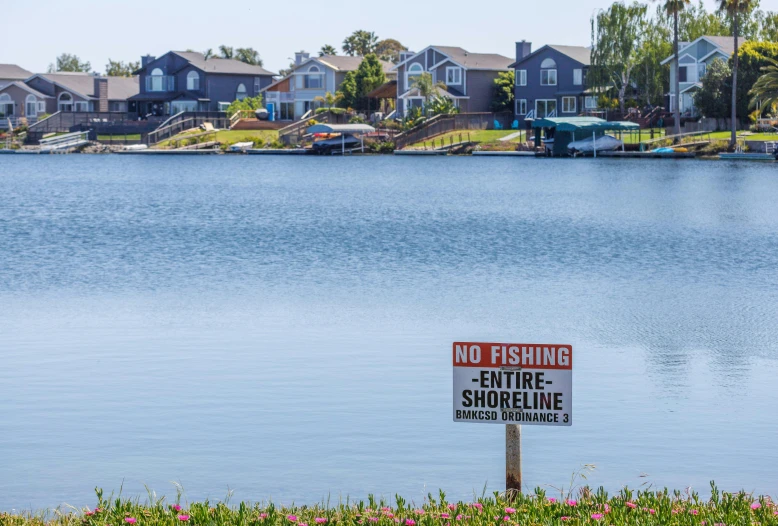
513	383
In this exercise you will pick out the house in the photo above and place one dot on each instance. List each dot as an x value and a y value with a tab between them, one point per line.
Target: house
551	81
12	73
188	81
48	93
294	95
694	58
468	77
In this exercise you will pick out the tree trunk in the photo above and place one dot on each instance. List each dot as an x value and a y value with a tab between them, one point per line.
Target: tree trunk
677	87
733	138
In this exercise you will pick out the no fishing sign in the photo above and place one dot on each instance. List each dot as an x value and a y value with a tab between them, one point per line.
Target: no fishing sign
513	383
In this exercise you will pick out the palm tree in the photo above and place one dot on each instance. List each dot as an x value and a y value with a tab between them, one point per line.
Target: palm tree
734	8
329	100
327	50
427	88
765	89
226	51
673	7
248	55
208	53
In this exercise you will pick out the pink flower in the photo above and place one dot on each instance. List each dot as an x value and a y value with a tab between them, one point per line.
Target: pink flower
755	506
130	520
418	512
444	516
477	505
89	513
263	515
183	518
674	512
98	510
452	507
176	507
302	524
320	520
572	502
410	522
564	518
510	510
506	518
384	509
596	516
552	500
389	515
606	508
693	512
291	518
631	505
651	511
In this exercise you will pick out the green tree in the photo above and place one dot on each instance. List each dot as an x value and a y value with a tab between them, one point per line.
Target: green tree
389	49
768	26
502	100
694	21
348	90
427	87
617	35
247	104
734	9
329	100
249	56
753	57
360	43
327	50
208	53
713	98
226	52
441	105
370	74
120	69
650	75
765	90
70	63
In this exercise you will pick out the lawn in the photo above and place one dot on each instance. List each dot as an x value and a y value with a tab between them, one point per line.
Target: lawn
128	137
479	136
746	136
227	137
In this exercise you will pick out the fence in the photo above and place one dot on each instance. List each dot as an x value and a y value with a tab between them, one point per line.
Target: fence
187	120
293	133
447	123
706	124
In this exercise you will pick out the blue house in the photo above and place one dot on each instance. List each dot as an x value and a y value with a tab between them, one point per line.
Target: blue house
551	82
188	81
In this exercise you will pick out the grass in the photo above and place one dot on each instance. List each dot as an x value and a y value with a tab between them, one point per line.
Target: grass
228	137
540	508
479	136
128	137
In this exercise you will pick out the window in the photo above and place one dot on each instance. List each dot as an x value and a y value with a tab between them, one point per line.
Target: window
314	79
548	77
31	106
65	102
577	77
81	106
257	85
453	76
521	106
414	70
157	80
568	104
701	68
241	93
41	107
682	74
193	81
183	105
545	108
6	105
590	103
521	77
116	106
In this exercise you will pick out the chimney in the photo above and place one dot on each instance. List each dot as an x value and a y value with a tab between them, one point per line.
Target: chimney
145	60
101	93
523	49
300	57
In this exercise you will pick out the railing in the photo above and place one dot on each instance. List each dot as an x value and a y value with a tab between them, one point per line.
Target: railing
186	120
15	122
240	114
445	123
676	138
292	133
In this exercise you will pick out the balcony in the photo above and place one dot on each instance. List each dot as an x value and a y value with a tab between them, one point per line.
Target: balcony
160	83
279	96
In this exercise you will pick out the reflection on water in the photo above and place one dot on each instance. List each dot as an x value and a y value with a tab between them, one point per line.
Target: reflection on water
282	327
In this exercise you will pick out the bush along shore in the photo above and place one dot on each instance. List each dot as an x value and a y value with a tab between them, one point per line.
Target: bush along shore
587	506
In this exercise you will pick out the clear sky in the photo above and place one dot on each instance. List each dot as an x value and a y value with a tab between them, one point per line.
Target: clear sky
96	30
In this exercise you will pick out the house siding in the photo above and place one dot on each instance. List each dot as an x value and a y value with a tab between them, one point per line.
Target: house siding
565	86
690	57
480	89
19	99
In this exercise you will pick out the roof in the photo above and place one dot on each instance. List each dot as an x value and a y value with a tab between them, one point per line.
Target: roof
439	90
578	53
222	66
387	90
725	44
14	72
583	124
340	128
466	59
25	87
347	63
119	88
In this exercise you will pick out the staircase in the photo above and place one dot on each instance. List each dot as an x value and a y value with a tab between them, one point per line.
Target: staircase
68	141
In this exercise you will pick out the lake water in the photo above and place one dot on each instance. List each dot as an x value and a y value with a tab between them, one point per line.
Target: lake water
282	327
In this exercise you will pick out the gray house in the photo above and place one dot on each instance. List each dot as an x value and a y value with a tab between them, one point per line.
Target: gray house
694	58
469	77
551	82
48	93
12	73
294	95
187	81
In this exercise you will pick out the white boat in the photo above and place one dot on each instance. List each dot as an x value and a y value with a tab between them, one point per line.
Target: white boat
604	143
241	146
